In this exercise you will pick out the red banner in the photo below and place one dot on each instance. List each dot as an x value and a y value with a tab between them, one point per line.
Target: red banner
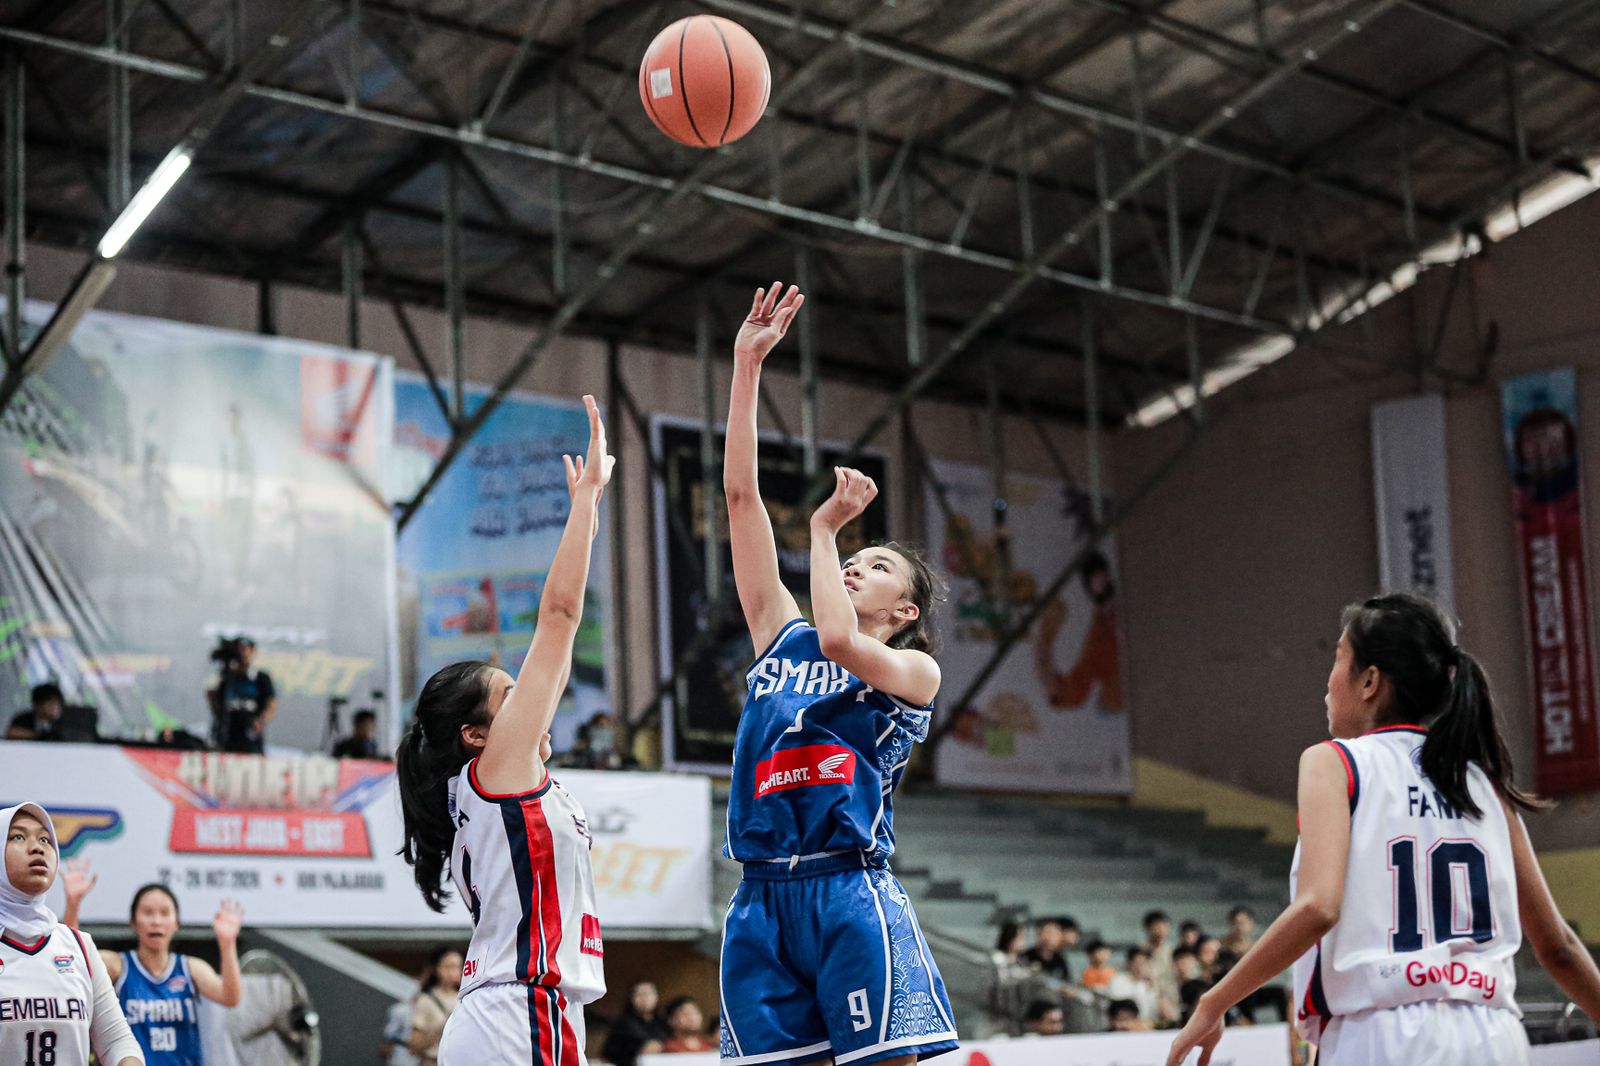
1541	427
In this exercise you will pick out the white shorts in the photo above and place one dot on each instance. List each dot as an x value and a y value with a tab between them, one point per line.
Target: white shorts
1439	1032
516	1024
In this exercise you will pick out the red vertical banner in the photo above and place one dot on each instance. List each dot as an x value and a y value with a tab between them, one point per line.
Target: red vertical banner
1541	432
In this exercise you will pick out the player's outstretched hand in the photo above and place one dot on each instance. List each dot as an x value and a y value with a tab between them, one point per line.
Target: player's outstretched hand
767	321
1203	1032
852	491
228	921
76	880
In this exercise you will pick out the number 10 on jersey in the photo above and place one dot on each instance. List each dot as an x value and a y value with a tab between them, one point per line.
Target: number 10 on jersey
1455	878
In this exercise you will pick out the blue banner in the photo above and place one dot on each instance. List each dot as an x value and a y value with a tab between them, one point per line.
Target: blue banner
472	561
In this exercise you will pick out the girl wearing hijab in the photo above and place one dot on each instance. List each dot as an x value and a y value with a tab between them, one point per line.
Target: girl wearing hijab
56	999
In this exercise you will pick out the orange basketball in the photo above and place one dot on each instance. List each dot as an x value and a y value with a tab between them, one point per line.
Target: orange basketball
704	81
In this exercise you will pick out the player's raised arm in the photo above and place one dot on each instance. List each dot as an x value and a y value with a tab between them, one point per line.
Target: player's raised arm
766	603
910	674
514	738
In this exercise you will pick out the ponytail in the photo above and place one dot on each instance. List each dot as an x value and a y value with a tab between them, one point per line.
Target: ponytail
430	753
1434	683
1467	731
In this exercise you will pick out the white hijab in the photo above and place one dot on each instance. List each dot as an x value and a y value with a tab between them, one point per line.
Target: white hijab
25	917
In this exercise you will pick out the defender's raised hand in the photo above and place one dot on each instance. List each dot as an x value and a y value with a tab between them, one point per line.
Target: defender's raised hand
767	321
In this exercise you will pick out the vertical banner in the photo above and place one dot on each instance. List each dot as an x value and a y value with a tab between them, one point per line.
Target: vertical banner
473	560
1410	479
1053	717
163	486
1541	434
703	708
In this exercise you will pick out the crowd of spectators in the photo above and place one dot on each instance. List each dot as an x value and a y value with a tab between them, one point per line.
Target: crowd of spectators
1150	985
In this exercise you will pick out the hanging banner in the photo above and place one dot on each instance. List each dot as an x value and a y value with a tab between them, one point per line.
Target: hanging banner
472	561
702	709
1541	435
1053	717
313	841
163	486
1411	481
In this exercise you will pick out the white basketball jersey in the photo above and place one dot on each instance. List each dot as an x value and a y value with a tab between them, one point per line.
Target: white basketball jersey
1430	895
46	999
521	864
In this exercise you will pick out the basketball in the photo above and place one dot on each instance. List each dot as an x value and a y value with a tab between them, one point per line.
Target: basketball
704	81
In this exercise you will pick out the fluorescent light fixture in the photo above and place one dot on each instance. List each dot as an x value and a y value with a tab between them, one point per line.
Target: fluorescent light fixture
144	201
1537	202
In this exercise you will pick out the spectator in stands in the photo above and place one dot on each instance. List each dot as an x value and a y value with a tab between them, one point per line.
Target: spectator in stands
1100	971
595	746
1192	983
1209	951
40	720
688	1027
1189	934
1048	955
362	743
1044	1018
1241	934
641	1029
432	1005
1123	1015
1137	983
1008	947
392	1047
1157	927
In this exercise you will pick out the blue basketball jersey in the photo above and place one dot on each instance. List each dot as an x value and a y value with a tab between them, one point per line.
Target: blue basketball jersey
163	1011
817	757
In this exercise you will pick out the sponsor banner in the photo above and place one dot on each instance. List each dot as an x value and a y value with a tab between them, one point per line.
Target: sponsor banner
311	841
1541	435
165	485
1053	717
472	561
1412	484
1253	1045
704	706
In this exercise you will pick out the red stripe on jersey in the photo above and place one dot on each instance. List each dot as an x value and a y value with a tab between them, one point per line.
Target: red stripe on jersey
569	1039
31	949
545	1032
544	931
472	776
88	956
1397	729
1349	771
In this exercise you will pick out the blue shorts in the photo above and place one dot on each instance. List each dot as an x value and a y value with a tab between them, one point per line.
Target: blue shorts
831	965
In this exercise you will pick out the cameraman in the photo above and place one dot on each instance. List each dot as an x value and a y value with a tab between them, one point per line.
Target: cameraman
243	701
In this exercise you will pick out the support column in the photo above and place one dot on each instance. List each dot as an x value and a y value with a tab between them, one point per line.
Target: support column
455	325
708	452
14	205
808	367
352	264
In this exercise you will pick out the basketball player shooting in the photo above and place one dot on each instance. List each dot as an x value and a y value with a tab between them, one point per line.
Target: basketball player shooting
821	944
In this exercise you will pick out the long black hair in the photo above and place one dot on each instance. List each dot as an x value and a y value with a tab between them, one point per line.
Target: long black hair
430	976
430	753
925	588
1437	684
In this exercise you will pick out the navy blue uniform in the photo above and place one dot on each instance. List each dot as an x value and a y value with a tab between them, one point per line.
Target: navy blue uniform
163	1011
821	945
